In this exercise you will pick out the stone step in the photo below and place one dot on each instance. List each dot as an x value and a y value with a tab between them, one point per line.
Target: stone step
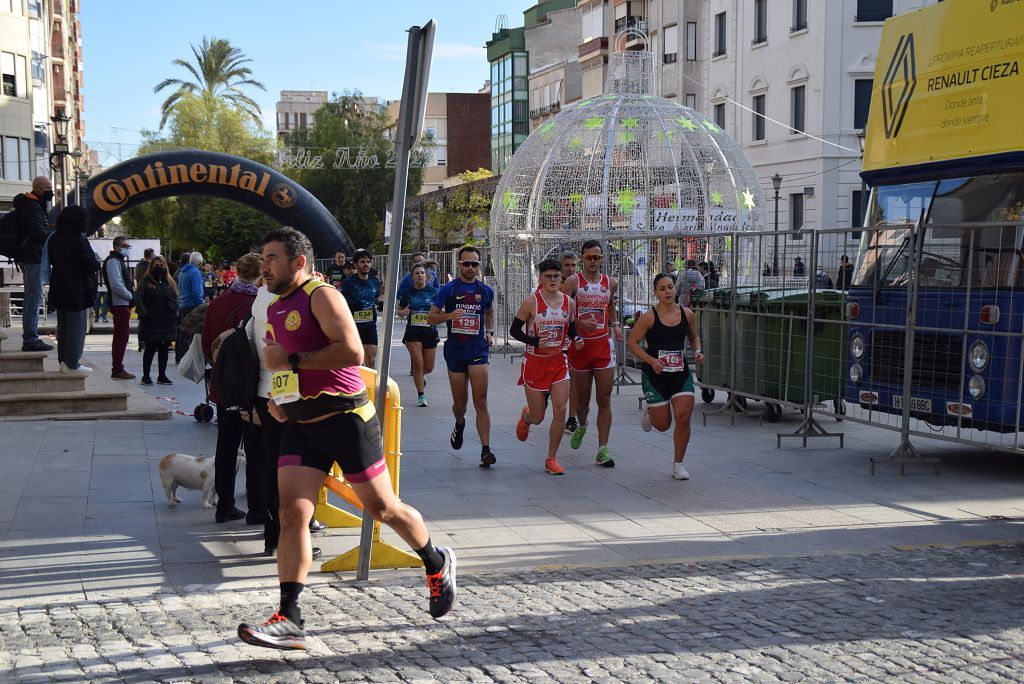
21	362
63	403
39	383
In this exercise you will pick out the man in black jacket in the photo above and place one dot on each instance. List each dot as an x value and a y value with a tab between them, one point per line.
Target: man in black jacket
32	223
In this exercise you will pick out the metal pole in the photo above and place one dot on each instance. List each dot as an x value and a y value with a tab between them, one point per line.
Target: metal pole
775	246
417	68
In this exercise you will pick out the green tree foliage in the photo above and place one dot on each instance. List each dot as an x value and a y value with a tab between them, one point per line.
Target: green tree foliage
189	222
354	182
219	74
467	210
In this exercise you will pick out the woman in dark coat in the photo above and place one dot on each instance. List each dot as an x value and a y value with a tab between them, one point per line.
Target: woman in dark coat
156	301
73	284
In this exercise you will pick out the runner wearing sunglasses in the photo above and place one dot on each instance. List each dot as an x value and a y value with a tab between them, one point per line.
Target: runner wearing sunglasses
594	293
466	305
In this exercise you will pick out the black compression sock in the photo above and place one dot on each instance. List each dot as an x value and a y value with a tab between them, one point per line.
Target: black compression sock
290	601
432	560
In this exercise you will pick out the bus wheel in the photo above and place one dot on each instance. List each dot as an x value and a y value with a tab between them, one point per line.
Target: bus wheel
840	407
707	394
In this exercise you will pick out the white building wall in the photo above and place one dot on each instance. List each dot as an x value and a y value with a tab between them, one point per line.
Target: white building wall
827	57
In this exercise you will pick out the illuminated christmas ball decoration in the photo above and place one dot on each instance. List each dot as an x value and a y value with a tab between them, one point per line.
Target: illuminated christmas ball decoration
627	168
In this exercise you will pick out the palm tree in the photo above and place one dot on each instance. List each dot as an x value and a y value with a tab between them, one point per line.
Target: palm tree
219	72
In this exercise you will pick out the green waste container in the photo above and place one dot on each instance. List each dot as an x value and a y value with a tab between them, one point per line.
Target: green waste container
771	338
785	344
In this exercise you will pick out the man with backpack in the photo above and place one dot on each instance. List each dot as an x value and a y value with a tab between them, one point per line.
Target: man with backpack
225	313
26	243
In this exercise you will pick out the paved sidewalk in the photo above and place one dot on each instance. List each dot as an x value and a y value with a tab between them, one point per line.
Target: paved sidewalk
787	536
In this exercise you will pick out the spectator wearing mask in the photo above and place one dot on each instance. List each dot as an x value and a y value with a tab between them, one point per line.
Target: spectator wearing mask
118	280
190	295
140	272
225	312
156	299
821	279
671	270
73	286
32	224
687	281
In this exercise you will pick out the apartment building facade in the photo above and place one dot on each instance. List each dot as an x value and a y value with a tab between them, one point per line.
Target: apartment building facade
555	78
455	124
296	110
792	84
41	69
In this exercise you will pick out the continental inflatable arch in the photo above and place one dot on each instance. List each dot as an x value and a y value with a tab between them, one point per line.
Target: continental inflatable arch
213	174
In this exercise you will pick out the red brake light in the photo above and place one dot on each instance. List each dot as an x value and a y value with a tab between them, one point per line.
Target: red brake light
852	310
990	314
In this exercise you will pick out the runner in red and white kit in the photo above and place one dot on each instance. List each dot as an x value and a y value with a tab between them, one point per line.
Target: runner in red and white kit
568	269
544	322
594	293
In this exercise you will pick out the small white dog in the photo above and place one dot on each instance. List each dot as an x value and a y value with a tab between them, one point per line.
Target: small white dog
191	472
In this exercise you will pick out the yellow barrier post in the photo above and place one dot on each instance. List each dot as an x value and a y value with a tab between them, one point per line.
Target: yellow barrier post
382	554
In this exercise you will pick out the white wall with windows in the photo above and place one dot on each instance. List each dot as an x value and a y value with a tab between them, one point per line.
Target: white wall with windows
810	73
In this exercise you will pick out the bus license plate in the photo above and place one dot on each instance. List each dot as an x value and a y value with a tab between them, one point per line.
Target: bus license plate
916	404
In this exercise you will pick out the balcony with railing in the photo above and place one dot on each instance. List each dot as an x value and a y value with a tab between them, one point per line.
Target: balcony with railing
593	47
623	23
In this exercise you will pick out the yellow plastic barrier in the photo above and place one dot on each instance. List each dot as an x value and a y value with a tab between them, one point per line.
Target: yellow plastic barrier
382	554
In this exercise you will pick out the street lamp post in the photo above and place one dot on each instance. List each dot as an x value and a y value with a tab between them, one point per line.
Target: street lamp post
776	183
60	150
862	208
76	168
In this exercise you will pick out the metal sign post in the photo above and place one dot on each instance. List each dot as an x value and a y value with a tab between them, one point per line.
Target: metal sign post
410	125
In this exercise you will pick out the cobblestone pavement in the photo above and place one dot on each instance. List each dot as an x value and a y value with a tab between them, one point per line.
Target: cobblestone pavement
931	614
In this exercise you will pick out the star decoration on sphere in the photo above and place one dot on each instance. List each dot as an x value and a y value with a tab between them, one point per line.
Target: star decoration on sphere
546	128
576	143
716	198
593	122
510	202
627	137
674	204
585	102
664	135
576	198
687	123
748	198
548	206
711	127
630	122
626	201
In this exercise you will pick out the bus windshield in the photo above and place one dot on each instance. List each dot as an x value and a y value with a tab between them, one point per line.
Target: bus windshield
954	255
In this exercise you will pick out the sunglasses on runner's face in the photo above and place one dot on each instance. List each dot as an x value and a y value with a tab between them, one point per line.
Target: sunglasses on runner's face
470	264
552	276
593	257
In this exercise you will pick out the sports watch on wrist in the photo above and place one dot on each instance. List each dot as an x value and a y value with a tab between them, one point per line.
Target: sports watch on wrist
293	360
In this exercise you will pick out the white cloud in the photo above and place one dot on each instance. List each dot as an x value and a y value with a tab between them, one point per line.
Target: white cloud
395	52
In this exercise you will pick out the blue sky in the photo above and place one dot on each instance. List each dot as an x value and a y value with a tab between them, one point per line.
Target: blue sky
331	45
